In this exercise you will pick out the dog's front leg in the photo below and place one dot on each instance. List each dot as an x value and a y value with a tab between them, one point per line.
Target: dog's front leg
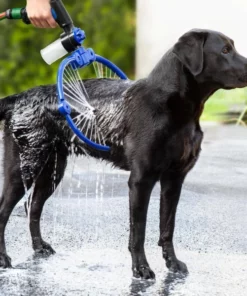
170	192
140	188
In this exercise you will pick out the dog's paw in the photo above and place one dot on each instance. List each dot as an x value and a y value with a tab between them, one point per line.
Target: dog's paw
5	261
44	251
143	272
177	266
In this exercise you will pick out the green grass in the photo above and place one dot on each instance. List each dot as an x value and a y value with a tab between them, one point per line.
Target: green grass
223	101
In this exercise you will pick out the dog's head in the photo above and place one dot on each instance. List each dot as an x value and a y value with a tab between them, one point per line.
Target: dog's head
211	57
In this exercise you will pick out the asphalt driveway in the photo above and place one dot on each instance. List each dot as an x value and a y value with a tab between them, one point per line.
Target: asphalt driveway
86	222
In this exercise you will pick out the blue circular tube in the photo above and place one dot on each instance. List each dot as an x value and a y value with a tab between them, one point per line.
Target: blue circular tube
62	102
111	66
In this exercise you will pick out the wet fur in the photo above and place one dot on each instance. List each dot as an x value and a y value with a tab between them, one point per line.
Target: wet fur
152	126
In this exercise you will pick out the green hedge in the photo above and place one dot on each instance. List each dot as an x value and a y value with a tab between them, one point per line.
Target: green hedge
110	31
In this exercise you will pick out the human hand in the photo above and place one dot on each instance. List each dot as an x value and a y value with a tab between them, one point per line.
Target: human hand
39	13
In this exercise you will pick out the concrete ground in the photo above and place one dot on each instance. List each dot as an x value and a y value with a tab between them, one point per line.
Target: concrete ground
86	222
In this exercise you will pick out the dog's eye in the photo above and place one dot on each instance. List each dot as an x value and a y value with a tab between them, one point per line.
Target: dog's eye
226	50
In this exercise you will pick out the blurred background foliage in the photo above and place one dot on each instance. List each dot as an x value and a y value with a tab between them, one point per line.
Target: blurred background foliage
110	31
109	26
227	106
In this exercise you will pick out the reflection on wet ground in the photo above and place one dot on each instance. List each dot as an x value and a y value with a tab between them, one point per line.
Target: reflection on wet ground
86	222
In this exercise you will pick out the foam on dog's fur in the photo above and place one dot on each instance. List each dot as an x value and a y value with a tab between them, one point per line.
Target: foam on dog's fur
39	129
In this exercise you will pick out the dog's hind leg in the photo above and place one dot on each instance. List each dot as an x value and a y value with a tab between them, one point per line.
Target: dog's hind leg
45	185
140	188
13	191
171	185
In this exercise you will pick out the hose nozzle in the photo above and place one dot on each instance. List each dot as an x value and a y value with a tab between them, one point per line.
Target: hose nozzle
65	44
18	14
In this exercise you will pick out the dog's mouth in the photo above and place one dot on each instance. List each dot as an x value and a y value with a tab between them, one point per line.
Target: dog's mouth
240	82
236	82
243	79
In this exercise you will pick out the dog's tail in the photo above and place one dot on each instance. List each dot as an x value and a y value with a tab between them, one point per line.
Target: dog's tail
6	104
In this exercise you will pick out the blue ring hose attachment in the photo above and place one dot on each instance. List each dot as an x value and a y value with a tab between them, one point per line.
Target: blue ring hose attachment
86	58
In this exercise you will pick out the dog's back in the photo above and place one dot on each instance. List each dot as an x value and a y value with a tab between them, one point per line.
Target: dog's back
33	119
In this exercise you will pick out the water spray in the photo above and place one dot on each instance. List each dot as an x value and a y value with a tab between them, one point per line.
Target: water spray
72	95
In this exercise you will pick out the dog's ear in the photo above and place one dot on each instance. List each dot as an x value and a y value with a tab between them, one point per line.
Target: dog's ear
189	50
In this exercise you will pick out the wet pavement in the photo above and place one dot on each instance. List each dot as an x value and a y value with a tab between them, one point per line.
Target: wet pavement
86	222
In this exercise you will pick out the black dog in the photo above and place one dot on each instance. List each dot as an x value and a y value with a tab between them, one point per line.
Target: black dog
151	125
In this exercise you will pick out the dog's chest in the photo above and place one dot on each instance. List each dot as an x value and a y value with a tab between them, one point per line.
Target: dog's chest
184	148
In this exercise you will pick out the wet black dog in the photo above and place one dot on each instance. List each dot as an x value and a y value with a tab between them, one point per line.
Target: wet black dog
151	125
